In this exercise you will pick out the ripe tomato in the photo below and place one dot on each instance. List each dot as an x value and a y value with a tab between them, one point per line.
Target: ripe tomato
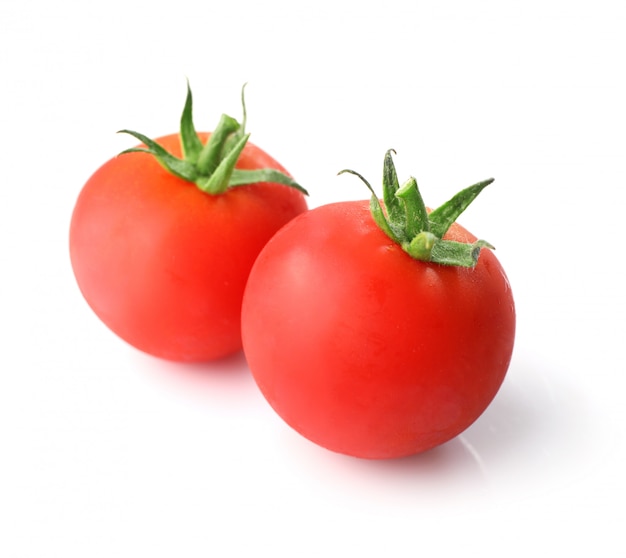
365	350
163	263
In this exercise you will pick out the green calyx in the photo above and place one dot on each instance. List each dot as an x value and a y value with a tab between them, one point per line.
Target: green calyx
406	221
211	166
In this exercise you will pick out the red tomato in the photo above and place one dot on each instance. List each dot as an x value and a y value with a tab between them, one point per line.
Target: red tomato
164	264
363	349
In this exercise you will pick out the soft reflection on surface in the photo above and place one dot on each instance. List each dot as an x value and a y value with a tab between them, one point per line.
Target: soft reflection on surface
538	419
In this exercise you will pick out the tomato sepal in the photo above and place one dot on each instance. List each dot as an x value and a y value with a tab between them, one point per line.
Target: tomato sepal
189	139
387	225
178	167
442	218
240	177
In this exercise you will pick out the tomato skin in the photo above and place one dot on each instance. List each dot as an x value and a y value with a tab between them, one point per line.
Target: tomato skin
163	264
366	351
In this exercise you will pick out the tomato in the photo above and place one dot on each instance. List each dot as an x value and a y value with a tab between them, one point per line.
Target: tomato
365	350
163	263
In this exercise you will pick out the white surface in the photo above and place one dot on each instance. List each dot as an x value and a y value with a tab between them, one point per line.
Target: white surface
107	452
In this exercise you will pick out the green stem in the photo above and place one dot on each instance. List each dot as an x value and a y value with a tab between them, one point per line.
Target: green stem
415	214
218	181
211	154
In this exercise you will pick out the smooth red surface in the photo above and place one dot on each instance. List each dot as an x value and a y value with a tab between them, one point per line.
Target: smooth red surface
366	351
163	264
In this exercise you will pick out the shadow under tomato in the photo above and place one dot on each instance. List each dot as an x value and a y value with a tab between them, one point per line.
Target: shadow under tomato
453	457
234	363
449	468
224	383
528	437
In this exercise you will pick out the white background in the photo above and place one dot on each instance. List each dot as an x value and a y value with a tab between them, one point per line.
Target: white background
107	452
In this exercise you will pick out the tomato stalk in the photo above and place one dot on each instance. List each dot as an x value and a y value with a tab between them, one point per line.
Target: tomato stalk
403	217
211	166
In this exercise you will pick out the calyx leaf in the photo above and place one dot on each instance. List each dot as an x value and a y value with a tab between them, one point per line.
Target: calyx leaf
403	217
210	166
